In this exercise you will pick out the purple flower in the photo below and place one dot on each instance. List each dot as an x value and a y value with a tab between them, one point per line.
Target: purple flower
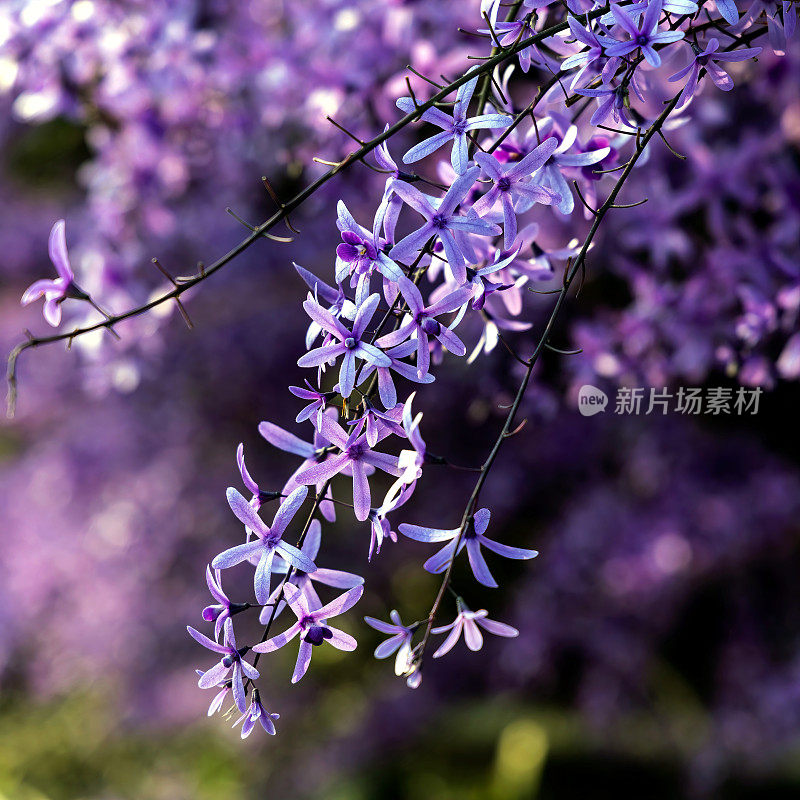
510	182
482	288
386	387
400	641
219	698
354	454
442	221
318	401
454	128
232	659
472	539
312	626
223	609
706	59
389	208
380	527
258	497
593	57
468	622
340	306
268	540
256	713
379	424
422	321
58	290
312	452
550	175
644	35
509	33
350	343
303	580
360	254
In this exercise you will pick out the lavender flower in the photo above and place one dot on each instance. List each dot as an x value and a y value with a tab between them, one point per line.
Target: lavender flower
312	453
303	580
706	59
442	221
468	622
510	182
55	292
454	128
223	609
256	713
360	254
259	497
268	541
351	344
318	400
594	58
550	175
472	539
232	660
354	454
422	322
313	627
219	698
386	388
509	33
399	640
645	35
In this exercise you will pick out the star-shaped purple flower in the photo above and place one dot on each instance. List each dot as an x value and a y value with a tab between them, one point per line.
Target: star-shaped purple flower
467	622
256	713
644	35
268	540
706	59
510	181
232	661
223	609
354	454
350	344
399	640
422	321
442	221
313	627
454	128
473	539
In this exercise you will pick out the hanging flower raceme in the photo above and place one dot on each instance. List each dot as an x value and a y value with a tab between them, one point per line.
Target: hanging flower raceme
458	268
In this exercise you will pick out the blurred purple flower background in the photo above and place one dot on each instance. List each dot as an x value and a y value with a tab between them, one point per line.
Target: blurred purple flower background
659	627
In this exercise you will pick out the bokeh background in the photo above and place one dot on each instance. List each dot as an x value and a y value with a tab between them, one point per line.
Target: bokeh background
659	652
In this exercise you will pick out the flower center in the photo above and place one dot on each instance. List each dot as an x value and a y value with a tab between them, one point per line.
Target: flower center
504	184
354	452
430	326
350	343
642	39
459	126
316	635
439	221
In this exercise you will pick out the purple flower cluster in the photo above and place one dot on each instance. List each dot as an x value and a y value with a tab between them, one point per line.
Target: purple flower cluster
513	176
